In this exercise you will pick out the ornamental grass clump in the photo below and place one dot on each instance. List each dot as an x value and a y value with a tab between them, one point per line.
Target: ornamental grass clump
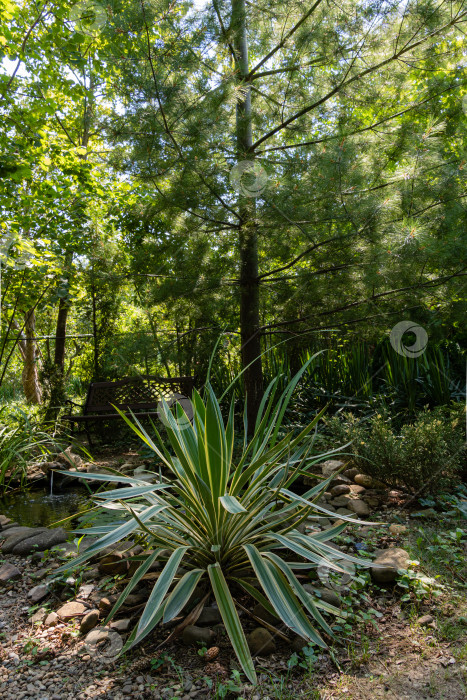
230	522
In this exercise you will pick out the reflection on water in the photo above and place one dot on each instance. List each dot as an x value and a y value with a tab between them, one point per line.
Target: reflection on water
38	508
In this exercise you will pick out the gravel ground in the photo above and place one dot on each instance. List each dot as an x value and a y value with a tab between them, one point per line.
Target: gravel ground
53	664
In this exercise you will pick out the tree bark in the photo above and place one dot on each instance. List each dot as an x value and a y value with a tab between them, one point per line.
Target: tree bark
248	238
60	336
28	349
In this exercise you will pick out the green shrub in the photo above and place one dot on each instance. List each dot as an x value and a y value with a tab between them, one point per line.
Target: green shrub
21	441
232	523
424	456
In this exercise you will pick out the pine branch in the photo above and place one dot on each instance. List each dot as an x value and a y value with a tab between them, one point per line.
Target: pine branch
424	285
358	131
346	82
283	41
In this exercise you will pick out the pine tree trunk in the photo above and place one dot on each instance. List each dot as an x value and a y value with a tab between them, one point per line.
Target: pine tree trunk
60	336
248	239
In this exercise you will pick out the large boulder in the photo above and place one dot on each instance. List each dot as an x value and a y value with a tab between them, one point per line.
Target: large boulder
16	535
41	541
387	563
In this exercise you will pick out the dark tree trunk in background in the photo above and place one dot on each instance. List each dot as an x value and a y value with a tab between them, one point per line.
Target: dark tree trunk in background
95	333
60	335
28	348
248	239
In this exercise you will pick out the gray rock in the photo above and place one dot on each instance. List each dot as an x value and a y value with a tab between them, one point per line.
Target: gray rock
44	540
71	610
368	481
345	511
330	466
261	642
121	626
351	473
325	594
103	644
133	599
9	527
89	621
329	508
357	489
340	490
209	616
16	535
65	548
330	597
38	593
425	513
340	480
39	616
51	620
324	522
114	564
387	563
359	507
340	501
193	634
8	573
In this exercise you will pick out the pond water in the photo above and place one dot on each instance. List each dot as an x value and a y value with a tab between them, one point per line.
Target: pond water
38	508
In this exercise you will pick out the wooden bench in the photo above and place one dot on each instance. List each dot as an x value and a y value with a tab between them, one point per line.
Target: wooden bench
140	395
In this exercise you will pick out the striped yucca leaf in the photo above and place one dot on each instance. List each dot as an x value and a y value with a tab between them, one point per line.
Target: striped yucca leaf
230	521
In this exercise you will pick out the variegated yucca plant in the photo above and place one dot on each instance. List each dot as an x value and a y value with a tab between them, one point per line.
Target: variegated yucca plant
231	523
